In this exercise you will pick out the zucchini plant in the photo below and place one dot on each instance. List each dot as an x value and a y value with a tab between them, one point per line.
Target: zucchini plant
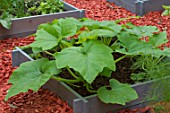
86	49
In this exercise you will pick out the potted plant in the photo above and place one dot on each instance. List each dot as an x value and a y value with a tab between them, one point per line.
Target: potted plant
32	13
141	7
99	60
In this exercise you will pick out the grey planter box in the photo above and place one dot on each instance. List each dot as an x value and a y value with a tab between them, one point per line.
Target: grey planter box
141	7
28	25
89	104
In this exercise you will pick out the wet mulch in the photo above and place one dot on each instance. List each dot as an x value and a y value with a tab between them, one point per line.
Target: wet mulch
44	101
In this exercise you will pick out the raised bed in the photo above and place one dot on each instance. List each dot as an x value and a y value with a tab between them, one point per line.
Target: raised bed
141	7
89	104
28	25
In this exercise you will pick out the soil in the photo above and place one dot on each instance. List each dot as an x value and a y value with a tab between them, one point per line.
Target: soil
38	102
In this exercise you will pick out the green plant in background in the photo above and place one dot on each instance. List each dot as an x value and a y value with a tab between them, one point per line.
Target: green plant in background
167	10
36	7
22	8
84	48
5	20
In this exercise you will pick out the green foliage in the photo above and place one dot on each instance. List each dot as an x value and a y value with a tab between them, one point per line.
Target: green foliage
5	20
153	68
36	7
89	60
84	48
166	11
31	75
22	8
119	93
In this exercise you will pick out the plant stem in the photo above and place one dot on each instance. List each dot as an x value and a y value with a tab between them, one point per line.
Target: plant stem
49	53
71	84
72	74
89	90
66	80
122	57
160	59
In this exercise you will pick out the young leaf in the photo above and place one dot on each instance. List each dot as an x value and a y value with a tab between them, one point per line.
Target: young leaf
103	33
85	36
36	50
143	31
68	26
88	60
119	93
166	7
107	25
94	34
133	46
165	13
106	72
158	39
31	75
5	20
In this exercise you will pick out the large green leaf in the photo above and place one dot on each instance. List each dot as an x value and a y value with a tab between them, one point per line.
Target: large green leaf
31	75
47	37
119	94
88	60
